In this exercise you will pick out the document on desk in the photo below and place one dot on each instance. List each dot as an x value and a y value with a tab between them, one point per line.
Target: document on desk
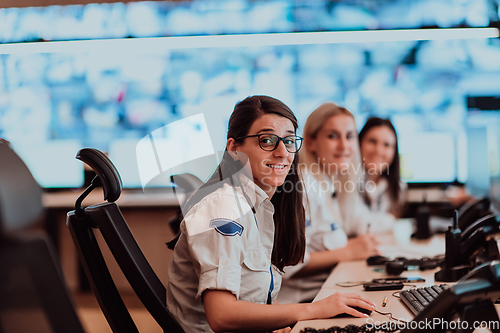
415	248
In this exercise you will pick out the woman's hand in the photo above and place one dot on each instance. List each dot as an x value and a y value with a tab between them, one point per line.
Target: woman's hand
282	330
361	247
342	303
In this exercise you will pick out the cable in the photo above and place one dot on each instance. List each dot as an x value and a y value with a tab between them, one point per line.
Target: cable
391	317
398	294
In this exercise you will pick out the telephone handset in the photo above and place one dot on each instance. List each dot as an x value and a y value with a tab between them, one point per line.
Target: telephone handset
474	238
490	224
469	248
471	300
473	210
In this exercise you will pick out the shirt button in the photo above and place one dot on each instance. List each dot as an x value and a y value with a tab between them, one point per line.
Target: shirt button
264	264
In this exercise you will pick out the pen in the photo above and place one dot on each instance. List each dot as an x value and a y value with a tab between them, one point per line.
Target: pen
386	299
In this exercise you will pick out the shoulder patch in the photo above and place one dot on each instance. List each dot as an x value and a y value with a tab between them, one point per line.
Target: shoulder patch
226	227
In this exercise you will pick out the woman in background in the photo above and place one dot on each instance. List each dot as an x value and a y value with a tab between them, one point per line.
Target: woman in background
338	222
384	190
244	226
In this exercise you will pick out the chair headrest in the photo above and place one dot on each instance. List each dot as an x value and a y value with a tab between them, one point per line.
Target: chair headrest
106	171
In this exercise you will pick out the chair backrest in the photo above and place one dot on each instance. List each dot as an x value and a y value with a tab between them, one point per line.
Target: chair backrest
188	184
33	294
108	219
187	181
20	194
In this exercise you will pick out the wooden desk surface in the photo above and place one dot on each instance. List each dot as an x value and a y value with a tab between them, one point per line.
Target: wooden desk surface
353	271
359	270
393	306
137	198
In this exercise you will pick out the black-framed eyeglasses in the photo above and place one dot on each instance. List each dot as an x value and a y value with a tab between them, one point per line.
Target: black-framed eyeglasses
270	142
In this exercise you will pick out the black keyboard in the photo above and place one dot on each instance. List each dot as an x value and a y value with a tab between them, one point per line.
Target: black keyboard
423	263
417	299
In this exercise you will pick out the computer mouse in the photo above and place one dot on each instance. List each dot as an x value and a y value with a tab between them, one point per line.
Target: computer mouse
357	308
377	260
395	268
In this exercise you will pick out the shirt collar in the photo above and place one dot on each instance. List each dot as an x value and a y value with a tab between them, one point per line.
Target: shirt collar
382	185
255	194
325	186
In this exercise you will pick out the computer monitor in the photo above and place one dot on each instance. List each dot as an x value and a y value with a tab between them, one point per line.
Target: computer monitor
427	157
483	162
106	90
494	155
171	149
478	170
53	162
122	153
495	195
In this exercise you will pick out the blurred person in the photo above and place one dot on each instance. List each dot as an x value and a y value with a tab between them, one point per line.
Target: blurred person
242	228
384	190
338	223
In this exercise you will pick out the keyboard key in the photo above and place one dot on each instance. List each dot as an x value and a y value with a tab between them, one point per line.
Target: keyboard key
437	289
417	299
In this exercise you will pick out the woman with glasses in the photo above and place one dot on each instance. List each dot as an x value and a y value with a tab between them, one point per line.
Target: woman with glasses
378	142
242	228
338	222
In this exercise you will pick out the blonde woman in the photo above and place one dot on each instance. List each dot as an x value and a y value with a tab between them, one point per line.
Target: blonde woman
338	223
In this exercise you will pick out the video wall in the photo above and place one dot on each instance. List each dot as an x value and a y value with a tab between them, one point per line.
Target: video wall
52	104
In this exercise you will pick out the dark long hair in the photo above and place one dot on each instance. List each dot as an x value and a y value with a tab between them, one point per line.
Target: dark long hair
392	173
289	213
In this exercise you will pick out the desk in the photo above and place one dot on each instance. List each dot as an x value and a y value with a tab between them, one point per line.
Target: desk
147	215
129	198
359	271
58	203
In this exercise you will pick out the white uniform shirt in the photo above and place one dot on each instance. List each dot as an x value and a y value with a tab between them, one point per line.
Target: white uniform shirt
223	246
378	194
327	230
323	232
370	220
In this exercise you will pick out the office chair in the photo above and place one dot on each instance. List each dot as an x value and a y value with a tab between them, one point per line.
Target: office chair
33	294
188	183
20	194
108	219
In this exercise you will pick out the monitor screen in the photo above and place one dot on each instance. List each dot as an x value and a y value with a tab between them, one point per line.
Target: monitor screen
494	164
110	93
428	157
495	194
172	149
478	168
53	163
